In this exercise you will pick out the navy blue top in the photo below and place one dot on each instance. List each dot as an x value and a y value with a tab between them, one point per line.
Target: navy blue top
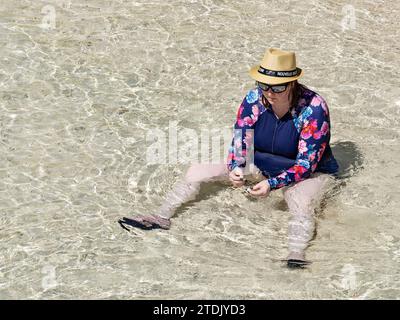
276	145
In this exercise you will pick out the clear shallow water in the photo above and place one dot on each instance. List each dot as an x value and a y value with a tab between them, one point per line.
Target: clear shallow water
78	97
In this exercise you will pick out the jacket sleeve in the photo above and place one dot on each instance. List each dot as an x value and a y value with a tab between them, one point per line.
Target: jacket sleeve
314	126
243	136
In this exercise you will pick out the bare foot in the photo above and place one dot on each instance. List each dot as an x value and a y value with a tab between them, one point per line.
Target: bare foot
296	256
146	222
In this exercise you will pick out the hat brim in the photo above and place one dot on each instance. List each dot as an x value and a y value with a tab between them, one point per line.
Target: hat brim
272	80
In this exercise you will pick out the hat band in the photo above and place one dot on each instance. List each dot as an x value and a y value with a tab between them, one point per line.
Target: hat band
279	74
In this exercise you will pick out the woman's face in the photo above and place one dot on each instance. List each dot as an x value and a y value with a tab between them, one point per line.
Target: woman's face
278	99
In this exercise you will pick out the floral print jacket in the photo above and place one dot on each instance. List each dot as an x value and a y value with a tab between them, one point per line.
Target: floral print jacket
306	128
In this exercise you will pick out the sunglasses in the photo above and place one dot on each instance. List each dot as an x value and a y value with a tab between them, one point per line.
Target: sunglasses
278	88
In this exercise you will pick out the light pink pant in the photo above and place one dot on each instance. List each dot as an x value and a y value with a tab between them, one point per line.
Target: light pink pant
302	198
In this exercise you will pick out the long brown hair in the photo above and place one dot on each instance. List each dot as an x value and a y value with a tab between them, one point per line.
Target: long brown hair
294	95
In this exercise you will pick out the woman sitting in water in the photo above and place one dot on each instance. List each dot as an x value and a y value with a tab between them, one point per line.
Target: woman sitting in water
286	127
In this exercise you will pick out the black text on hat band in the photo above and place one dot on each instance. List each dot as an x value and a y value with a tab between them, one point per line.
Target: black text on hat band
273	73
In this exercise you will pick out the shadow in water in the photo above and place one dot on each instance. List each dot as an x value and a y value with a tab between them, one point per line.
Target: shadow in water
349	158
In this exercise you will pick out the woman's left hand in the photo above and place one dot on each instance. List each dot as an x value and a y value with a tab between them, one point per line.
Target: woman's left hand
261	189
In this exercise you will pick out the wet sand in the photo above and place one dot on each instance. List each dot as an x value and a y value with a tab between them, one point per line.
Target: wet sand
83	83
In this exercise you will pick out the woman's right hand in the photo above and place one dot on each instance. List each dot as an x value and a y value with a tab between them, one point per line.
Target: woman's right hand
236	177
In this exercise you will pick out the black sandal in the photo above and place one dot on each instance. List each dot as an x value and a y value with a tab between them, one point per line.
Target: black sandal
145	225
297	264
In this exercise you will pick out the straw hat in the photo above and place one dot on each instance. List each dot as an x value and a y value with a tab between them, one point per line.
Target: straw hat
276	67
